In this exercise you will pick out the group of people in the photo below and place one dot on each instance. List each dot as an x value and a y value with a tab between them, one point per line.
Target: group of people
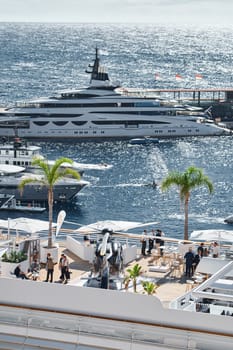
63	267
192	259
33	271
153	240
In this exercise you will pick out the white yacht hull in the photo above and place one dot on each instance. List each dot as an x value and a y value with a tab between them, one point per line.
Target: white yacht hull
110	127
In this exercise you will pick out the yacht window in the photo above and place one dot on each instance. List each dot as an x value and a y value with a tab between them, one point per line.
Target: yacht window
41	123
129	122
60	123
77	95
80	105
147	104
132	112
78	123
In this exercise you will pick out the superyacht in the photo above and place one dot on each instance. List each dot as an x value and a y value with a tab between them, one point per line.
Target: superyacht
103	110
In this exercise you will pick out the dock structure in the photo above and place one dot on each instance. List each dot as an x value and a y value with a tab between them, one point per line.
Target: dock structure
198	96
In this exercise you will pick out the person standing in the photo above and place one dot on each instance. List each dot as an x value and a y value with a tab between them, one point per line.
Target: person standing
64	266
196	260
50	268
215	250
200	249
159	242
151	242
143	241
189	259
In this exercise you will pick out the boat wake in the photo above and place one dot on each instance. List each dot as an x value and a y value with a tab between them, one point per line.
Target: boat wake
127	185
199	218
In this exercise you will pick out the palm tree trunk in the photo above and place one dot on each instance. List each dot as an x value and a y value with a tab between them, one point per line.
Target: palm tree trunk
135	285
50	203
186	205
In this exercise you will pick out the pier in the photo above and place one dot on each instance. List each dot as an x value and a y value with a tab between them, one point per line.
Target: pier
199	96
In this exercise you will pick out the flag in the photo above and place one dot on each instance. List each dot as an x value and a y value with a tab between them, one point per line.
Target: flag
198	77
157	76
179	77
60	219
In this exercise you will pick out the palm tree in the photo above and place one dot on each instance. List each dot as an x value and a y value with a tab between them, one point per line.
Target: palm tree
149	287
134	273
192	178
51	175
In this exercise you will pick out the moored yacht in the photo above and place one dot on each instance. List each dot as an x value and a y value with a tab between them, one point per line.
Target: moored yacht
11	176
21	153
102	110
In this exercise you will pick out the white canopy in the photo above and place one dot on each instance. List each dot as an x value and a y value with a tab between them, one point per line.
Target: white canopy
213	235
210	266
25	224
112	225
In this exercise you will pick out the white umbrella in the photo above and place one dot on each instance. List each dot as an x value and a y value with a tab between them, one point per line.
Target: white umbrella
112	225
26	225
212	235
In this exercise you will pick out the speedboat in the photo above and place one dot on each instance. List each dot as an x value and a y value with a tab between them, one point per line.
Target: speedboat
64	190
103	110
144	141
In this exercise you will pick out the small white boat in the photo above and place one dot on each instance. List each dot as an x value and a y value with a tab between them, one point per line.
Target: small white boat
144	141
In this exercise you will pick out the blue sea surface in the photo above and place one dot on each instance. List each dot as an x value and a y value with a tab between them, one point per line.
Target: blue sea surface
39	59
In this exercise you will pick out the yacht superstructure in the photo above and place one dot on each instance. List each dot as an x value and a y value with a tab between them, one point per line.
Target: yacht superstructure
102	110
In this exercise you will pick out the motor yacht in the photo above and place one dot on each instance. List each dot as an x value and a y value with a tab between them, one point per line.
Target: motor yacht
21	153
103	110
11	176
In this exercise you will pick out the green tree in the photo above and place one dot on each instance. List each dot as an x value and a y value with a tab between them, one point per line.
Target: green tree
192	178
149	287
51	175
134	273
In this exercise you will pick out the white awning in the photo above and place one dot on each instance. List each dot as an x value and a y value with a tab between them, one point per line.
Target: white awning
213	235
112	225
26	225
